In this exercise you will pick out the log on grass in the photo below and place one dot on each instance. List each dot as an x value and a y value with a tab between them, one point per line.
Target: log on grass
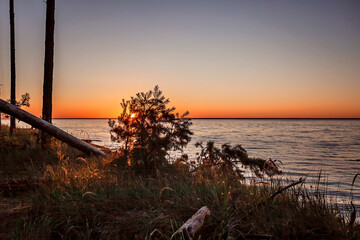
194	224
48	128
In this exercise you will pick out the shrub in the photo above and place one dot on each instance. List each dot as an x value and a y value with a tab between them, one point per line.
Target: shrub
148	129
229	160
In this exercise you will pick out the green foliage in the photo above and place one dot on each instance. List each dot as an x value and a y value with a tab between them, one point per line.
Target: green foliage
148	129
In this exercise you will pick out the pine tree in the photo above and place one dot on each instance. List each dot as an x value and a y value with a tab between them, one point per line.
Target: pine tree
148	129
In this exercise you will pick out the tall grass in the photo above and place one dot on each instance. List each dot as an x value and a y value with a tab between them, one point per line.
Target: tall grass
80	197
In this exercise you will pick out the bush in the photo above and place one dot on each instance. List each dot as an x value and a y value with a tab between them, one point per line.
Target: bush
228	160
148	129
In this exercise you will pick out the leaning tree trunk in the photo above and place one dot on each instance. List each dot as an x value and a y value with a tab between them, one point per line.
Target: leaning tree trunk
48	65
48	128
12	62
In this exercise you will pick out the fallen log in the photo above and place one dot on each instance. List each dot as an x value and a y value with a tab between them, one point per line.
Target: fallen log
102	148
194	224
48	128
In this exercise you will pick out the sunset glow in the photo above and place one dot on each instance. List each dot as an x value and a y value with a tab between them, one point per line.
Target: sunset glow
216	59
233	119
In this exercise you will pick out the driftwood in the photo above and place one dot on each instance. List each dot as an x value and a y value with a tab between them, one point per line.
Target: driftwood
194	224
48	128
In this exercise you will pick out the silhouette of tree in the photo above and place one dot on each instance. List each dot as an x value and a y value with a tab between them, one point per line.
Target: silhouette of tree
48	64
12	62
231	159
23	102
148	129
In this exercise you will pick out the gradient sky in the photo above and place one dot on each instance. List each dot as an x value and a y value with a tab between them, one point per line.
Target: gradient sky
227	58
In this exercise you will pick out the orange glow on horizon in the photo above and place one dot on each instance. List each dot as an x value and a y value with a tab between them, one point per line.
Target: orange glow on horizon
314	111
262	64
200	108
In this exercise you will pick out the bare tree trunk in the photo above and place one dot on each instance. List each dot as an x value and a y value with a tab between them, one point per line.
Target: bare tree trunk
48	65
0	111
12	62
48	128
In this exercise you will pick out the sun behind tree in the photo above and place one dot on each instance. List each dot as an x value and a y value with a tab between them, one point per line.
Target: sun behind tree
148	129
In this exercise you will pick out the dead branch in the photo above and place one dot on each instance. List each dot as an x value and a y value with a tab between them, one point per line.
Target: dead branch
301	180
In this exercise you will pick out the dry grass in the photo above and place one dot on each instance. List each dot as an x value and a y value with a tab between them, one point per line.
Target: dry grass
71	196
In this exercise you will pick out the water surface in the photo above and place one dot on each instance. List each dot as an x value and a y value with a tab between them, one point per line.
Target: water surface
305	147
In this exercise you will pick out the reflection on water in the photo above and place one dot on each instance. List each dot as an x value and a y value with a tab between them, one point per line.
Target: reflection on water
305	147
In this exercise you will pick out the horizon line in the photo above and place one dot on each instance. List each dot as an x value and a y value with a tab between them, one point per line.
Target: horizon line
224	118
229	118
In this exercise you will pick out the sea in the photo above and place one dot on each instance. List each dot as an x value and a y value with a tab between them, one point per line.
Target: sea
304	148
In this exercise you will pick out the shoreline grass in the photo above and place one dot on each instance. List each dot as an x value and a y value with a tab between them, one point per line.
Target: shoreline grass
59	193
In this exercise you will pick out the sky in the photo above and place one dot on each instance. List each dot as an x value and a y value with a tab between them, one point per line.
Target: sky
222	59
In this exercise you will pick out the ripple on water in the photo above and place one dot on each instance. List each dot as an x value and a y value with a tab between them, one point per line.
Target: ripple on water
305	147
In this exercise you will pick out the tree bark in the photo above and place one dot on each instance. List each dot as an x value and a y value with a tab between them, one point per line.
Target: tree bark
48	128
48	65
49	61
0	111
12	62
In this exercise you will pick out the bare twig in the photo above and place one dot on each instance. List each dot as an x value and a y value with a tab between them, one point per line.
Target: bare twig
301	180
